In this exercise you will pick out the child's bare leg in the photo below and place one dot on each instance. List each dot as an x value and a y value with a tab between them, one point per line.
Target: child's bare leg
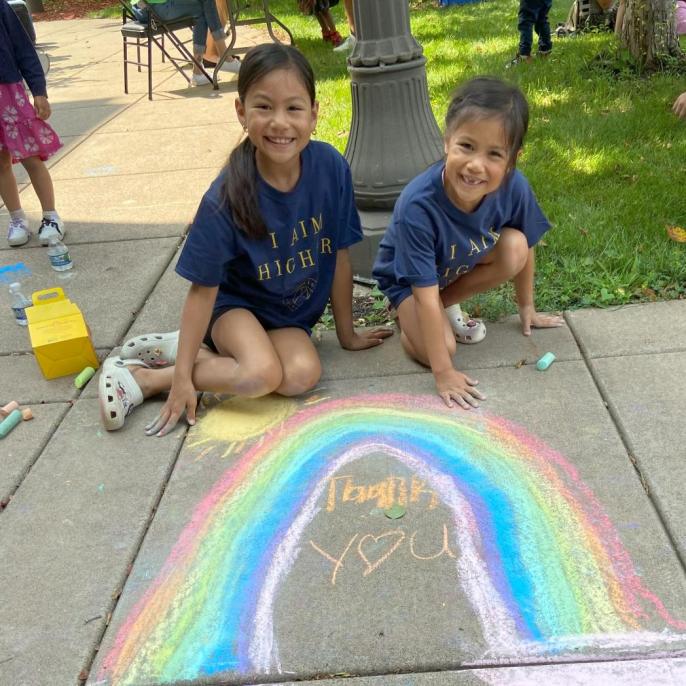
323	23
9	191
348	7
503	263
299	360
41	181
247	363
328	20
411	334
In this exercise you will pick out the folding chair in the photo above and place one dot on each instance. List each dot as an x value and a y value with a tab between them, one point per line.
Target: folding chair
154	32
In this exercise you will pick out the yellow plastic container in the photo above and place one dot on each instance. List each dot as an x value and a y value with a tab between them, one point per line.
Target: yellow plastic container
60	338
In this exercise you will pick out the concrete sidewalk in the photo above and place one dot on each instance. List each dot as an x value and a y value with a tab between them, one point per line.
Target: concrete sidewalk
540	539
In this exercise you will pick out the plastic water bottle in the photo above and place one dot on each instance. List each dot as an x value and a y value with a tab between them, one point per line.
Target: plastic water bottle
19	303
58	252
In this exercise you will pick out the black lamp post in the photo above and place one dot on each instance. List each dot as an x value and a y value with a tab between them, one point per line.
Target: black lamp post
393	134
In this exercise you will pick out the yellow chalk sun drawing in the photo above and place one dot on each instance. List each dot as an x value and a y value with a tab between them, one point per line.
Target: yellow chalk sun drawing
237	420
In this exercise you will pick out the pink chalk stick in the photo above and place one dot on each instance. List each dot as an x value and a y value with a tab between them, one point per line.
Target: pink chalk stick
5	410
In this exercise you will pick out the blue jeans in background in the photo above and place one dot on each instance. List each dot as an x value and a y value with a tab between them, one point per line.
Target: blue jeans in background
533	14
203	11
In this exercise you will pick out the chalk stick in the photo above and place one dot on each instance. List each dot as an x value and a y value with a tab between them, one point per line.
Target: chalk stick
85	375
545	362
6	410
26	414
9	423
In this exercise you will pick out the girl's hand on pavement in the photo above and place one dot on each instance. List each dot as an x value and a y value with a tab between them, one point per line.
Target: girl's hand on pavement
533	320
453	385
368	338
181	397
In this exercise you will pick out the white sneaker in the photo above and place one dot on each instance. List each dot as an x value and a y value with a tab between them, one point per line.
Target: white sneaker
348	45
232	65
200	80
18	232
49	229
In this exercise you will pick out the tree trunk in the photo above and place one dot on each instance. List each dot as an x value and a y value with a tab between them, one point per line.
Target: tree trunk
648	31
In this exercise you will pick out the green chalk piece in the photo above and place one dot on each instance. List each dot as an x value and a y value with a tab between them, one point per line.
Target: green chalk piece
545	362
85	375
395	512
9	422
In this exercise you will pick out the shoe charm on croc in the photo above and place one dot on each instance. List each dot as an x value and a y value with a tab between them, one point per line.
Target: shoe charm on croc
467	331
153	349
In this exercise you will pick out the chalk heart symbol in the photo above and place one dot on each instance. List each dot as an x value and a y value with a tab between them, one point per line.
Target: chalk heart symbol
391	540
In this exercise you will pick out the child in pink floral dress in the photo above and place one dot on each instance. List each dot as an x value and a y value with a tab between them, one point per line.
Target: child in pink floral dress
25	135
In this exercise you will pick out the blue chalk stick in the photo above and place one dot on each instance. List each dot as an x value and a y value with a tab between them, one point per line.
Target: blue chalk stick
9	422
545	362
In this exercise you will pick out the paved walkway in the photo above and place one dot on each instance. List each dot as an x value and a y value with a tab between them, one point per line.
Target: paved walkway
539	540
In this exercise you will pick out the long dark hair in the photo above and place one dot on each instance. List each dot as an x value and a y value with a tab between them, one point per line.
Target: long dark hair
484	97
240	171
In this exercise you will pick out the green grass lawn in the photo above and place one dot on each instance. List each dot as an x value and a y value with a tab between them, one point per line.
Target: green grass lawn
604	152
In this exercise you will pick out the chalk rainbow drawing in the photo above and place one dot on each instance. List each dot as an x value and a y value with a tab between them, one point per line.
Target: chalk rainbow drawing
539	560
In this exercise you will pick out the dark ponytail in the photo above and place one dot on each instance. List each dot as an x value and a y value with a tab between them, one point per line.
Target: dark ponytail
240	171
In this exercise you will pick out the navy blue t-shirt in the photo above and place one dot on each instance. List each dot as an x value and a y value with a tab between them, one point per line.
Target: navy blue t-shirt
431	241
284	279
17	55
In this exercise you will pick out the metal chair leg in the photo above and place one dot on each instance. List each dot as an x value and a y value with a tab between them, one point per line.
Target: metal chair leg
126	64
149	68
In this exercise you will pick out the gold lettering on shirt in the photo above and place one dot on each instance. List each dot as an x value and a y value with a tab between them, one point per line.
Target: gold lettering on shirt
303	259
306	258
453	249
475	248
495	236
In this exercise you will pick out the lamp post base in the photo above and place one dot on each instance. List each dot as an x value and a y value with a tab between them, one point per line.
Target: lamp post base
363	254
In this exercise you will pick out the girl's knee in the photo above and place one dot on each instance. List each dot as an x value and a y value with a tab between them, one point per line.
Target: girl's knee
260	379
513	251
300	376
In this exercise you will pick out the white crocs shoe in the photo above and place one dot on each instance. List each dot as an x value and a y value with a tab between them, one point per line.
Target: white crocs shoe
118	392
466	330
153	349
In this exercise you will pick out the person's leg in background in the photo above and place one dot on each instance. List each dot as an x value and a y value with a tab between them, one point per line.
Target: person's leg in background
348	44
213	23
525	25
328	25
542	26
211	54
